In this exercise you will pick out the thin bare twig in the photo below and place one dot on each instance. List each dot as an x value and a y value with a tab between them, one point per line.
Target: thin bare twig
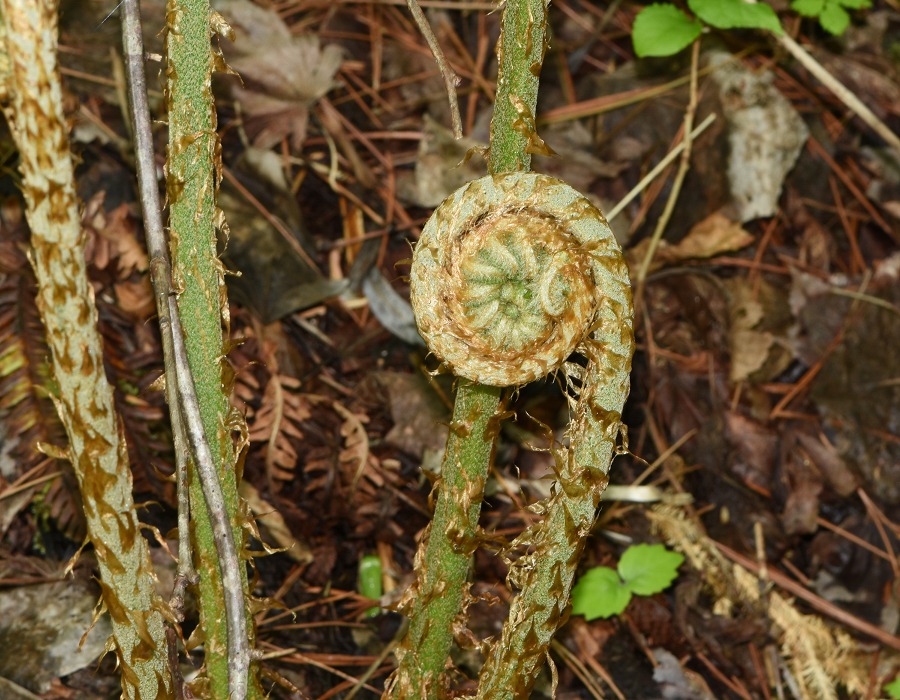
679	177
160	273
662	165
183	405
840	91
451	79
229	564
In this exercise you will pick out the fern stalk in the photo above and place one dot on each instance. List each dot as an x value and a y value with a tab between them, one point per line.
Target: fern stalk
512	273
444	556
553	546
192	162
520	54
32	96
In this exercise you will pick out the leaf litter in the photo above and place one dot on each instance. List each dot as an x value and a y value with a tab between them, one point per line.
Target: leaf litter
767	331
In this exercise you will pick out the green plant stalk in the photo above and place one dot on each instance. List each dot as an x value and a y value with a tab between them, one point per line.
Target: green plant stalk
520	55
444	556
443	559
552	548
191	184
545	573
32	97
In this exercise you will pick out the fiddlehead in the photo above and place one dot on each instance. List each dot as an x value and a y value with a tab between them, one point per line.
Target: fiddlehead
507	278
443	561
512	274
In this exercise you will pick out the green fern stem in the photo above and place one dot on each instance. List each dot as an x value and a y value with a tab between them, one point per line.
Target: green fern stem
549	551
444	557
193	159
520	54
443	560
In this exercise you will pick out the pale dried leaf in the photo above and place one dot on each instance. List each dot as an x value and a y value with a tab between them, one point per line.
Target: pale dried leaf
765	135
282	74
269	517
715	235
757	352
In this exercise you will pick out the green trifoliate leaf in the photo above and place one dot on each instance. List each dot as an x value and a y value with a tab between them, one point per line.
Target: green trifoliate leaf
649	568
736	14
893	689
832	14
663	30
834	19
808	8
599	593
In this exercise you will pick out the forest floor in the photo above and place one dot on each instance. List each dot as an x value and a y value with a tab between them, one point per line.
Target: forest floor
765	401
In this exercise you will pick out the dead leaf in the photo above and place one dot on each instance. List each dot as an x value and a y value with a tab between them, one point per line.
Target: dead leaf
40	630
269	517
420	419
278	423
801	508
754	446
758	317
275	280
136	298
441	166
856	391
765	134
282	74
120	230
356	442
715	235
830	464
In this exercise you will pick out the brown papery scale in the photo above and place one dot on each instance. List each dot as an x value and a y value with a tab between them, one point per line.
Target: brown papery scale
508	277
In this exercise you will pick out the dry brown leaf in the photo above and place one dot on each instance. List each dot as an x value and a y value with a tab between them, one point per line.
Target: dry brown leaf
754	447
356	442
825	457
113	240
756	313
136	298
282	74
120	230
715	235
269	517
277	422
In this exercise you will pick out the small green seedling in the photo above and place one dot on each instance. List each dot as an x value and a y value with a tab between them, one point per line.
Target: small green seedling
893	689
370	584
832	14
644	569
664	30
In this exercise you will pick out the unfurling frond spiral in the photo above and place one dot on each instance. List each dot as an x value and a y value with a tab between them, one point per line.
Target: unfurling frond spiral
509	276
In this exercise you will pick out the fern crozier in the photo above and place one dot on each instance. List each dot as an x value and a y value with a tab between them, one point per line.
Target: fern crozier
505	279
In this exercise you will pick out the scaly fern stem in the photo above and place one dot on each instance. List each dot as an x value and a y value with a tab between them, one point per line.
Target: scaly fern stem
523	41
553	546
445	553
442	563
32	97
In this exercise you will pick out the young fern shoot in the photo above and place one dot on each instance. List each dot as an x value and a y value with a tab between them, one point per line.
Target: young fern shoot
513	273
527	271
